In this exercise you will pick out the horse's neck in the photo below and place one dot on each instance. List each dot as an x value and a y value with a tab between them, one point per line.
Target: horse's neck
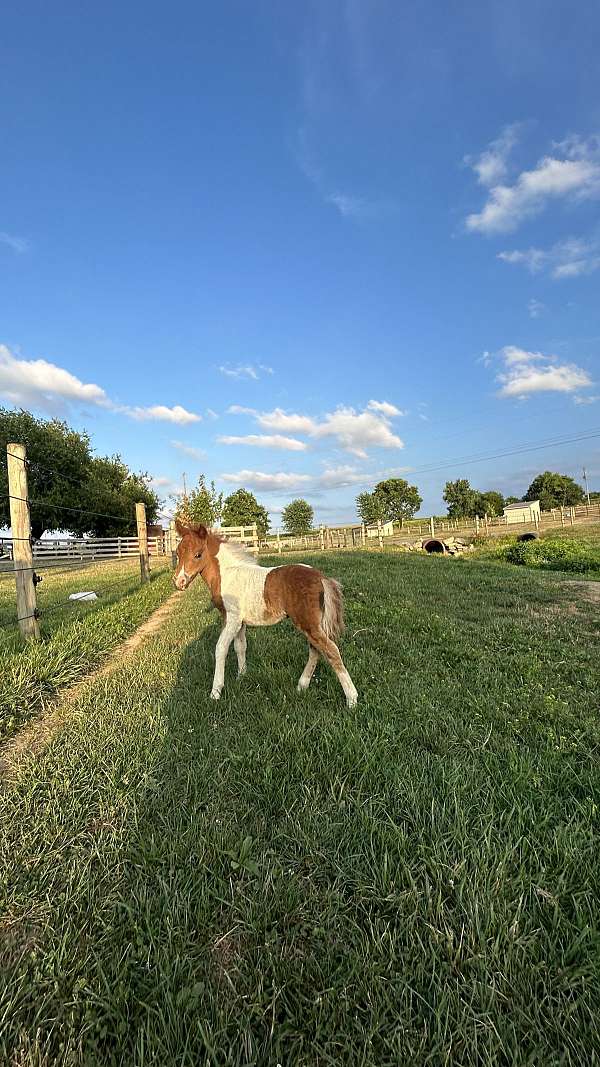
230	556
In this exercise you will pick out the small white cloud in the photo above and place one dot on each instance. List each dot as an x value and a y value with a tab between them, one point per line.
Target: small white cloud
586	399
160	412
573	178
212	414
238	409
290	444
18	244
535	308
188	450
267	482
491	166
566	259
526	373
247	370
385	408
355	431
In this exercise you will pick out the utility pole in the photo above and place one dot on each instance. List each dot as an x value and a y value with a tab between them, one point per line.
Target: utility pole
587	492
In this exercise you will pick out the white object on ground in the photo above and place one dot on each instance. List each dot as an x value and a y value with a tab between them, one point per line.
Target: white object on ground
83	596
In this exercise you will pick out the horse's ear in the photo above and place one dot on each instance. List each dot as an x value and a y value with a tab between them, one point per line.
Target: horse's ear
181	529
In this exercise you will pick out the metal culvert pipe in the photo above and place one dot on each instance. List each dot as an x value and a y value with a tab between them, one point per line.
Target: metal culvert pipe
529	536
433	545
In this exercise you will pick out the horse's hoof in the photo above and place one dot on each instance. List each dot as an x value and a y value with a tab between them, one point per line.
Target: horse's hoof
215	694
352	701
241	672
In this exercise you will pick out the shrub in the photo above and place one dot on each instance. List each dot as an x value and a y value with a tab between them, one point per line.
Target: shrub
557	554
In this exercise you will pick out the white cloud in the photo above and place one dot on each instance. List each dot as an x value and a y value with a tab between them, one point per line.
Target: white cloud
267	482
338	477
247	370
565	259
39	384
212	414
535	308
160	412
280	420
586	399
532	372
385	408
290	444
575	177
354	431
188	450
491	166
238	409
18	244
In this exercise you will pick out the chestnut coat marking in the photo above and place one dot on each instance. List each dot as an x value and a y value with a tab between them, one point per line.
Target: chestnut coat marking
247	593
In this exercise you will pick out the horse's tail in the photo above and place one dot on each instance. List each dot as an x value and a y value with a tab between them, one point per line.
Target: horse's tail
332	621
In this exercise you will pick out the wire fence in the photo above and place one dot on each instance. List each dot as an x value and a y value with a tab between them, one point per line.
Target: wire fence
110	563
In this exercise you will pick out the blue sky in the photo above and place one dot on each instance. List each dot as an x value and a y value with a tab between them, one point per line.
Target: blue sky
304	247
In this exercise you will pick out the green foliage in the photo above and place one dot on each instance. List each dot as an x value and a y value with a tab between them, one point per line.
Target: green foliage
392	500
556	554
464	502
370	508
555	491
297	517
63	474
202	506
242	509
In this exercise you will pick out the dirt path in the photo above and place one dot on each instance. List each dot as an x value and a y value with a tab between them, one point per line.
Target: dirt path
39	732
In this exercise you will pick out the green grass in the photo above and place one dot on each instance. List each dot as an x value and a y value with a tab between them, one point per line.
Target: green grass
277	879
75	635
555	550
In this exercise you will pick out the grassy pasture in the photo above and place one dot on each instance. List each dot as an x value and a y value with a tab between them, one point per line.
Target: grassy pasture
276	879
76	635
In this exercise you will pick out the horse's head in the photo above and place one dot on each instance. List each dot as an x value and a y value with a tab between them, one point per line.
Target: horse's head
192	553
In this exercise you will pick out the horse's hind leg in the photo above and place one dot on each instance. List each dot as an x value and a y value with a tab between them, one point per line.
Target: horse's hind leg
240	644
331	652
309	670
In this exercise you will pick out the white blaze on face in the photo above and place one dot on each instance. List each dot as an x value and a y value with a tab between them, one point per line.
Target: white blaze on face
181	578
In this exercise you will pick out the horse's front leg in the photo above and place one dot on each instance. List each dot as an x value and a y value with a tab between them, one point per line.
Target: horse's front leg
240	644
227	635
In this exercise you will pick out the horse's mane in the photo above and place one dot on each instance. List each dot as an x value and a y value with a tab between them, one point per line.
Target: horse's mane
237	550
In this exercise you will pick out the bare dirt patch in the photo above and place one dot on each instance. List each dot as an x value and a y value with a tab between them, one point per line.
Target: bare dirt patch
39	732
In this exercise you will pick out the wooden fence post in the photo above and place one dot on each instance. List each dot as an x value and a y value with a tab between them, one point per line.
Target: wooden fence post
379	533
22	551
278	542
142	532
477	524
363	533
322	537
173	543
432	526
254	535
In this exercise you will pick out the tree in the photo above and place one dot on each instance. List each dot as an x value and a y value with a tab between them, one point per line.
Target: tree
511	500
490	503
202	506
397	499
242	509
555	491
112	492
66	482
369	507
460	498
297	517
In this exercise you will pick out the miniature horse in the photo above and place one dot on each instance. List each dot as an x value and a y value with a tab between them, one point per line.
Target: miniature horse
247	594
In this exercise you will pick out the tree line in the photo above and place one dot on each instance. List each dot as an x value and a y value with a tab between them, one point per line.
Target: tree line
64	473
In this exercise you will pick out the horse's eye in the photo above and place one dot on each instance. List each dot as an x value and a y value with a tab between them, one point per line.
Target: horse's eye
198	555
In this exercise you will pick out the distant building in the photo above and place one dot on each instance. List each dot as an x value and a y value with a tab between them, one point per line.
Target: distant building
387	529
523	511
